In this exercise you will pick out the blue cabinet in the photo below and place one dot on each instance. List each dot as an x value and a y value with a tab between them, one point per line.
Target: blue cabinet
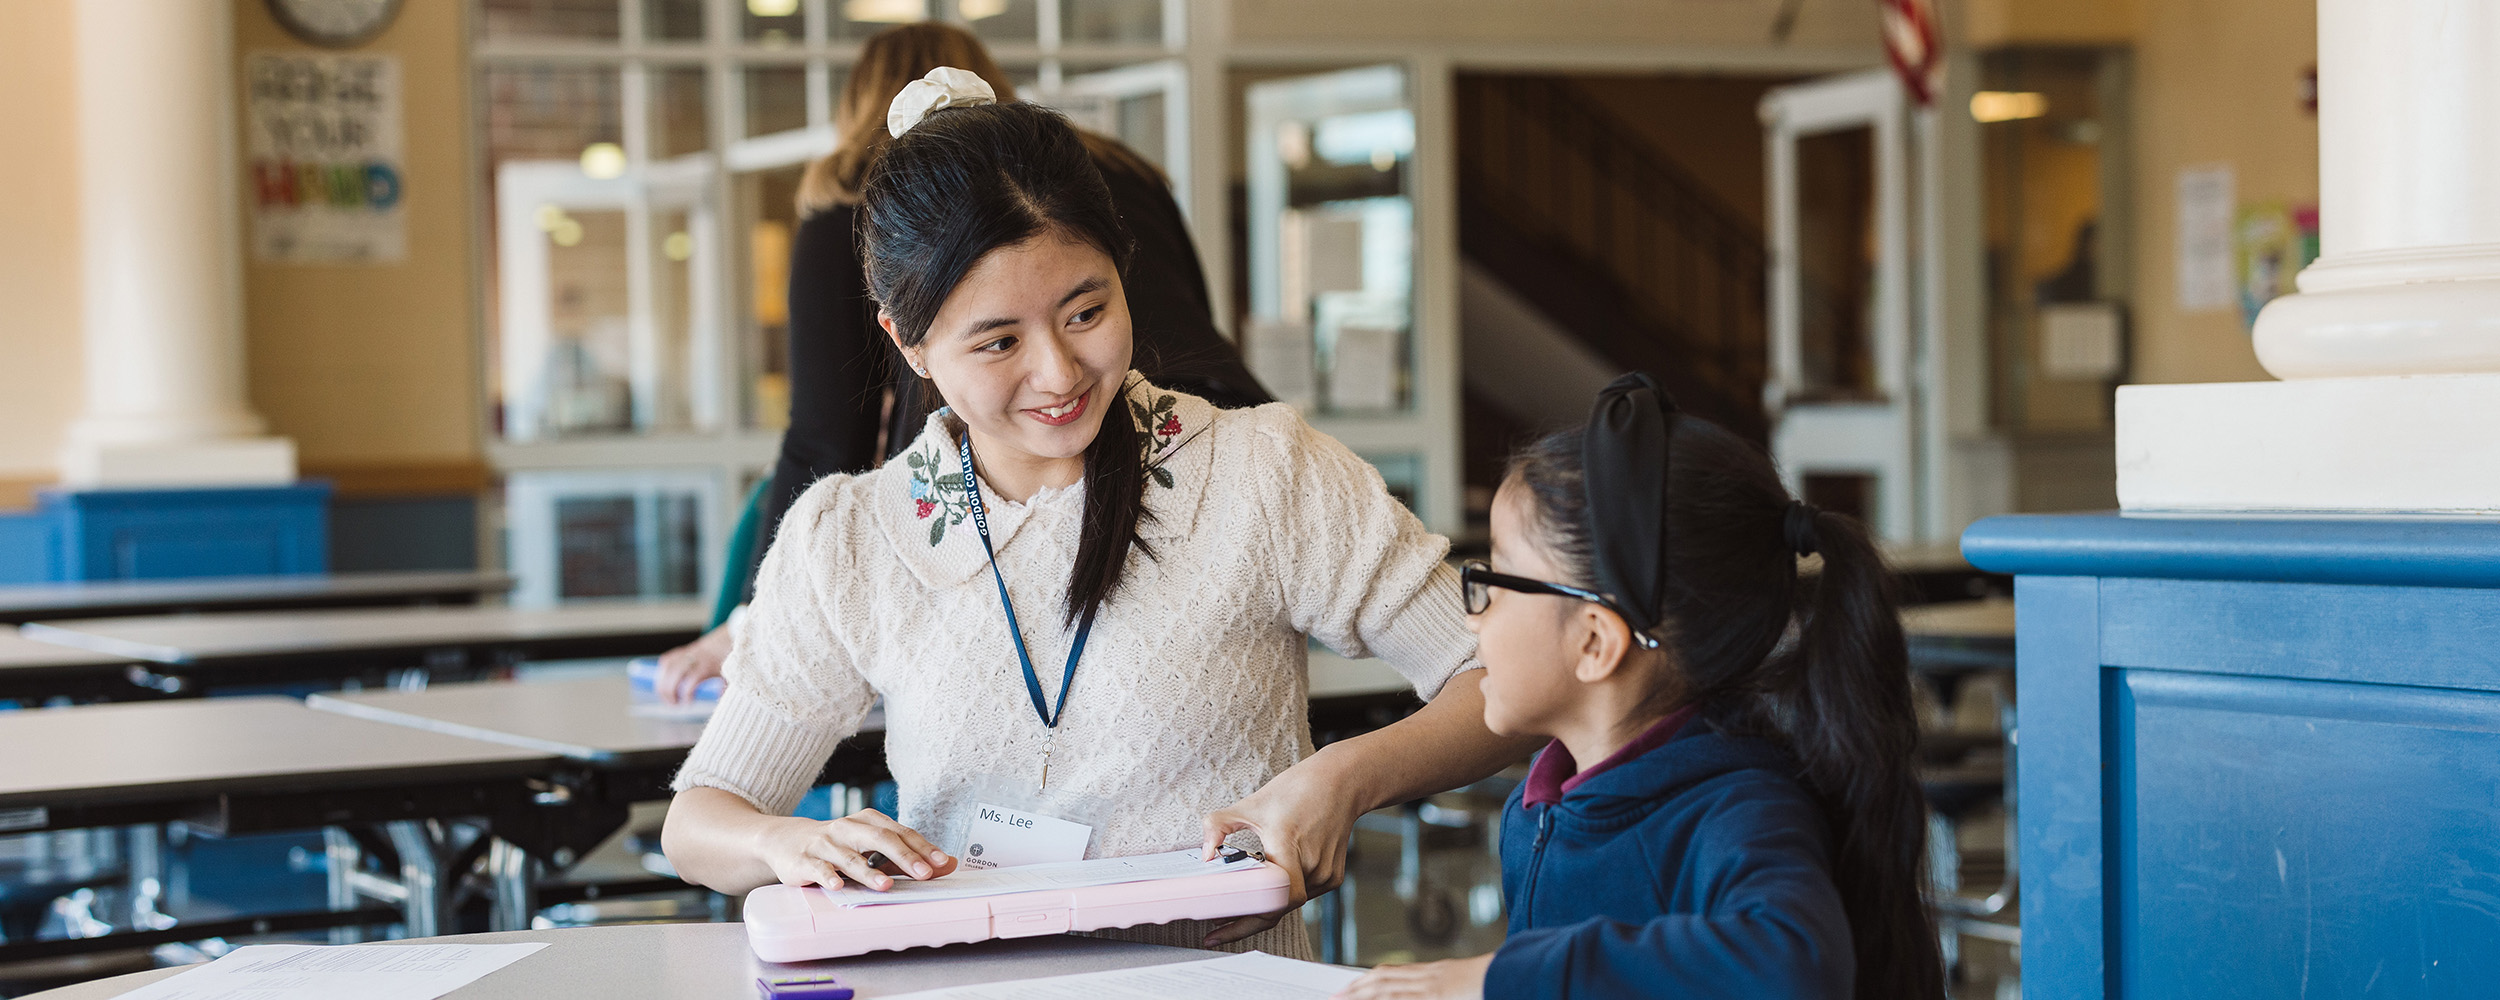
2260	757
133	534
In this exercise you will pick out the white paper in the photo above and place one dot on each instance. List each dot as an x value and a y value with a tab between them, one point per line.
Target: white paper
2079	340
1247	976
1063	875
2206	196
322	972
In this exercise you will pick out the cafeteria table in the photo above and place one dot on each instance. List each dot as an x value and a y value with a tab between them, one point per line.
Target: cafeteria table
292	591
40	671
711	962
193	654
232	766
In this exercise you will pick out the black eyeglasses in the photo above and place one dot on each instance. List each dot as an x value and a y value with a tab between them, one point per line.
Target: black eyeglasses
1477	580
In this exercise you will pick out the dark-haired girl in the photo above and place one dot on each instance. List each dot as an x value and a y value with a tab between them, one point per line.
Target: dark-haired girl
1075	589
1747	822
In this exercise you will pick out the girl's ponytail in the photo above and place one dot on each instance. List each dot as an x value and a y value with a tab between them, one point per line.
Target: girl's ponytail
1844	695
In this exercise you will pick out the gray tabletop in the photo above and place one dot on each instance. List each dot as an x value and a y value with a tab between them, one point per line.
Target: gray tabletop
197	749
20	653
1988	619
590	718
300	590
197	639
711	962
598	719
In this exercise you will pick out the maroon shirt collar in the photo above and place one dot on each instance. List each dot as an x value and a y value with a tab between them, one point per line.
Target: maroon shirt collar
1552	777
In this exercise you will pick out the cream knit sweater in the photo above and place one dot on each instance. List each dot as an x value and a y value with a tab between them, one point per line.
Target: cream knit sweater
1193	688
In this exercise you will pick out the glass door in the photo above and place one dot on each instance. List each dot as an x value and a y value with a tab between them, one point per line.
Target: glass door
1843	337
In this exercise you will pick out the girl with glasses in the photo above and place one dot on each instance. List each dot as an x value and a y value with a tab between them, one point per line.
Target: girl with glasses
1728	806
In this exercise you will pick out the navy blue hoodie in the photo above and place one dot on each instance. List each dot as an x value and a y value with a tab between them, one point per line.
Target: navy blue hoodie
1697	868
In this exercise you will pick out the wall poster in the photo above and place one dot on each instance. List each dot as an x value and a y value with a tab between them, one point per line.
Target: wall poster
323	141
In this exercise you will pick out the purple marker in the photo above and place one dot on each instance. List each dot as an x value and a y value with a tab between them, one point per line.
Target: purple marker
802	986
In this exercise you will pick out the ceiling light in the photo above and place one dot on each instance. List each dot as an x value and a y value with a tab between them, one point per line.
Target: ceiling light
2008	105
603	161
885	11
772	8
974	10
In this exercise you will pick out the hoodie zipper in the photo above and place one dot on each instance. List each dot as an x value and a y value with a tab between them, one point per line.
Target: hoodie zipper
1536	860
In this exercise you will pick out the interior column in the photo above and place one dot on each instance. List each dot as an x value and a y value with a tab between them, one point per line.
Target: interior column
158	220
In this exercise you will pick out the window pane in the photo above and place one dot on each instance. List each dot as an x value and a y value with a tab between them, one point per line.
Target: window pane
769	218
677	348
627	546
1141	126
550	113
773	22
1332	258
1001	20
587	387
580	20
862	18
680	117
776	99
1134	22
672	20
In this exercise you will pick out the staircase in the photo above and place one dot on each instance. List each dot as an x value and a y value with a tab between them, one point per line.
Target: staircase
1637	259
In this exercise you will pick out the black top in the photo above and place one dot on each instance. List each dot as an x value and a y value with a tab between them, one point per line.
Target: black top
841	362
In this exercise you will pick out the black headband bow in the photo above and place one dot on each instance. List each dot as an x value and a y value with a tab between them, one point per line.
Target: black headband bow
1623	459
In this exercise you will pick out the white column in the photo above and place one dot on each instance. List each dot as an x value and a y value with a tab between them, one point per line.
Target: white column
2407	280
157	213
2391	349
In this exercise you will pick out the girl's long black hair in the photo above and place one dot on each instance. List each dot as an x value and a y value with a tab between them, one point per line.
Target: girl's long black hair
965	182
1838	697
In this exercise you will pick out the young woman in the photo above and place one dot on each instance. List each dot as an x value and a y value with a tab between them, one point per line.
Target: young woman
842	371
1749	823
1076	590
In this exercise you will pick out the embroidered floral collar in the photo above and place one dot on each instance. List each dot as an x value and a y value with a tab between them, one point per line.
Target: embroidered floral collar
928	483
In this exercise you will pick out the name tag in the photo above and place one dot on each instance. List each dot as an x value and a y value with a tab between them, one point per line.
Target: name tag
1005	838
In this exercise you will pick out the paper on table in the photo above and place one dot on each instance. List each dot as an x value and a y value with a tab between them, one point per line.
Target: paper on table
1029	878
1247	976
320	972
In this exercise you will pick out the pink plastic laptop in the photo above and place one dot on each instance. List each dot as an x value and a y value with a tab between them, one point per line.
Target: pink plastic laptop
787	923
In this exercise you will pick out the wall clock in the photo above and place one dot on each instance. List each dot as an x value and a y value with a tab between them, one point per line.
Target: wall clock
335	24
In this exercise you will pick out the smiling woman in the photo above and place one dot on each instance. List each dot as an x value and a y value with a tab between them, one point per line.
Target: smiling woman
1192	553
1003	290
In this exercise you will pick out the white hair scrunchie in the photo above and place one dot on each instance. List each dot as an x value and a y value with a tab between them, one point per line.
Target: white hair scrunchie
944	87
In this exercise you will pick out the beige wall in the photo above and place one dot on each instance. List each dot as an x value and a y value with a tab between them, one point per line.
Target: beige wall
1820	24
39	385
372	368
2217	81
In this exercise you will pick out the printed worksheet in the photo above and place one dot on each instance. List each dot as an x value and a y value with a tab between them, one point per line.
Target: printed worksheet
321	972
964	884
1247	976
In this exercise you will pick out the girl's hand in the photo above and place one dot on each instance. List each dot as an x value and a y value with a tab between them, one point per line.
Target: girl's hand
812	853
1457	979
1303	819
686	667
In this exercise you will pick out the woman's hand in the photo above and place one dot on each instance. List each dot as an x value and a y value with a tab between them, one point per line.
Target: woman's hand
812	853
1456	979
686	667
1303	818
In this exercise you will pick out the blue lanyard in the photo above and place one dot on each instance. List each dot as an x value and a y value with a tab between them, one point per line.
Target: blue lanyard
1032	682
